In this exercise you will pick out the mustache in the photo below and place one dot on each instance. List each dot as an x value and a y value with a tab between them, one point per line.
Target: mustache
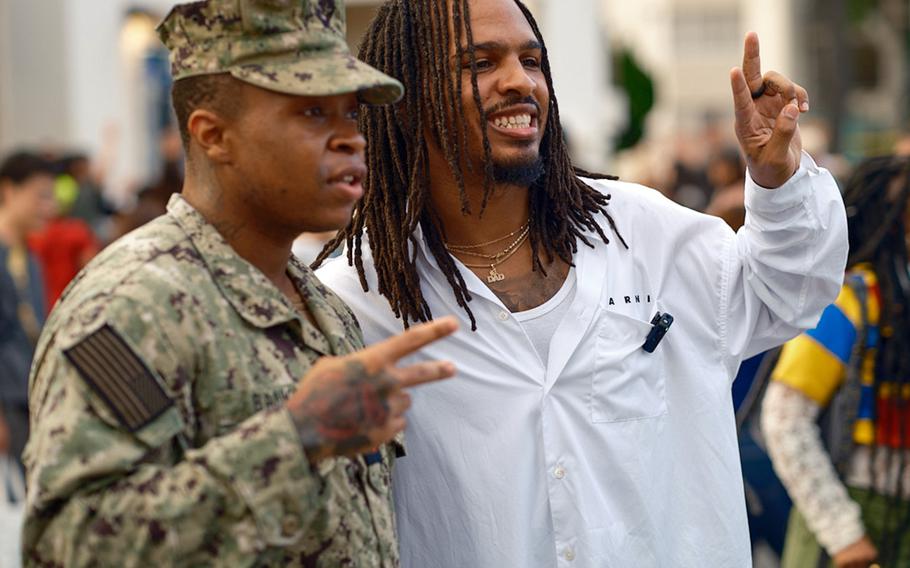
510	103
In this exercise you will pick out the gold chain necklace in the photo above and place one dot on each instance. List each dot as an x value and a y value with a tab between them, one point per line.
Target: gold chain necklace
496	255
495	275
464	248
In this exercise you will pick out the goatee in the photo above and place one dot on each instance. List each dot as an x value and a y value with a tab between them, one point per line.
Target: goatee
523	173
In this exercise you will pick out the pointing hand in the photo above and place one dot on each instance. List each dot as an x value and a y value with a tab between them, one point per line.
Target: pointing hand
767	111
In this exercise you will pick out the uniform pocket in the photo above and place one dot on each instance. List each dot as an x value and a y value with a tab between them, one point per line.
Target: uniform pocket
231	407
627	383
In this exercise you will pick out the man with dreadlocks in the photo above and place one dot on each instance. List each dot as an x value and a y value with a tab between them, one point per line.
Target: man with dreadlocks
853	370
563	441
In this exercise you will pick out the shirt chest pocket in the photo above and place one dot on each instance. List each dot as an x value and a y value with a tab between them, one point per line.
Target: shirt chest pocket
627	383
231	407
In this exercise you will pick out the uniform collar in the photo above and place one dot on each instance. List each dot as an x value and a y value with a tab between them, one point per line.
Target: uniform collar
248	290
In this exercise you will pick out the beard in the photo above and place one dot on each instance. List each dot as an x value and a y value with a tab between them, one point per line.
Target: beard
522	173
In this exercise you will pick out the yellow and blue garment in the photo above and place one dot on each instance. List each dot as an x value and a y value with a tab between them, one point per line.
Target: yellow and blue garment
815	363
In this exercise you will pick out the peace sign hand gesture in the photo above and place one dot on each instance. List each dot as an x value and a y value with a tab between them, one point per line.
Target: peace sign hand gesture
767	110
349	405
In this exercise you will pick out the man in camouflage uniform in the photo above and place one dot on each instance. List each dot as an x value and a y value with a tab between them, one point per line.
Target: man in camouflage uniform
180	415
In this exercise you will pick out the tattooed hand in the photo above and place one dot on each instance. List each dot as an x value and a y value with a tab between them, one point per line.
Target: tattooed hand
349	405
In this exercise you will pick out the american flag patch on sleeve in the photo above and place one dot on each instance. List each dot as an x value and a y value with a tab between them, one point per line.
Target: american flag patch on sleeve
120	377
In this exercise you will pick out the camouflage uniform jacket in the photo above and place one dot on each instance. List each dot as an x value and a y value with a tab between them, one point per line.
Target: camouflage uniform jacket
213	473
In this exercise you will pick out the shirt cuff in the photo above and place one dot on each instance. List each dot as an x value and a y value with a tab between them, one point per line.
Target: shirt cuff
847	530
264	462
794	191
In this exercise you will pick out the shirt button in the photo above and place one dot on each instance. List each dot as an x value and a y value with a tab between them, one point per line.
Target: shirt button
559	472
503	315
569	554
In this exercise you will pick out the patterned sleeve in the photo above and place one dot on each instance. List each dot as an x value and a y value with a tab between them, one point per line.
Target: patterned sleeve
794	444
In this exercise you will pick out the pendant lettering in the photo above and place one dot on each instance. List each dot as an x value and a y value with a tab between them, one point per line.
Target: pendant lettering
495	275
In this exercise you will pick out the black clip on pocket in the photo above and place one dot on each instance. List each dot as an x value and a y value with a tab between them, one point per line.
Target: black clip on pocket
661	323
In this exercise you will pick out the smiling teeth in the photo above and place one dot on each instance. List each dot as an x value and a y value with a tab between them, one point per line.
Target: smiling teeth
348	179
518	121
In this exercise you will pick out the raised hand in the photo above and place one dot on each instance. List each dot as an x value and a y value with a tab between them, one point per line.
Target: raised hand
349	405
767	111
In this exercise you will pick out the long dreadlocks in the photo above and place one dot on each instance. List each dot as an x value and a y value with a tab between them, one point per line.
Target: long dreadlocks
409	40
876	198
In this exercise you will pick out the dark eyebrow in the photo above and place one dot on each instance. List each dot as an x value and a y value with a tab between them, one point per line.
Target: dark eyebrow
529	45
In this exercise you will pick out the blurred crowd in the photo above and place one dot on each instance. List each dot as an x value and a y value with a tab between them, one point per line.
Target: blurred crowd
703	170
54	217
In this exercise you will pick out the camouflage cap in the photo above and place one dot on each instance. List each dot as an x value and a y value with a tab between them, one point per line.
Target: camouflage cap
296	47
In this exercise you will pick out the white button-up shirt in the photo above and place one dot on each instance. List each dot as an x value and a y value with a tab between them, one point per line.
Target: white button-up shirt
608	456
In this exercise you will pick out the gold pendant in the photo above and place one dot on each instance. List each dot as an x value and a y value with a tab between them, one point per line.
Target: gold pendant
495	275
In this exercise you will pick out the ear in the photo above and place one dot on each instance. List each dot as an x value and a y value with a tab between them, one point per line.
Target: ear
207	130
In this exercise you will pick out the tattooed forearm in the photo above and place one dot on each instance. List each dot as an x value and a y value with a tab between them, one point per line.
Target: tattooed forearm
342	406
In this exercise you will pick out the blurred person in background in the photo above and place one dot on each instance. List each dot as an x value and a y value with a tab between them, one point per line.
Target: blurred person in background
727	175
84	198
66	244
27	204
902	146
152	200
835	416
646	164
689	185
816	134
